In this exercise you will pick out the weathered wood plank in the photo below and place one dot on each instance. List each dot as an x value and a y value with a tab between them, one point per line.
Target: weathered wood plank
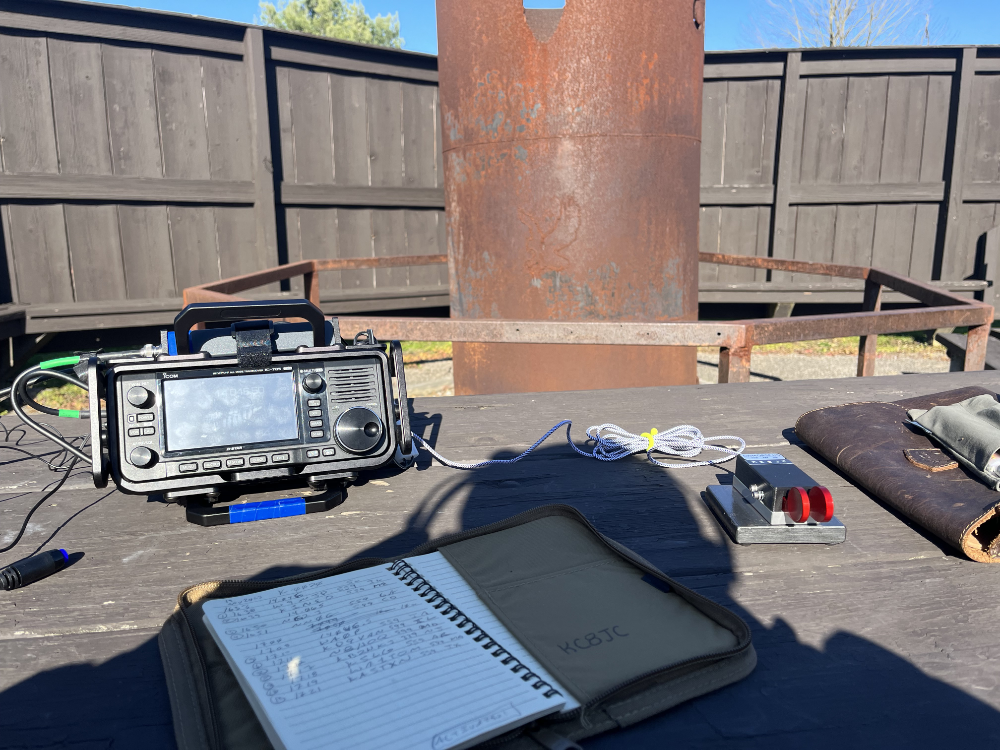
180	107
823	131
422	238
954	258
738	236
935	143
854	234
146	252
893	242
389	238
237	239
354	240
82	135
309	94
338	195
78	104
814	237
350	130
746	105
319	238
983	147
928	192
981	192
924	239
41	255
227	119
261	155
864	128
877	67
789	158
715	71
709	230
385	133
905	122
113	188
420	147
95	252
51	25
131	107
713	132
193	238
26	120
337	62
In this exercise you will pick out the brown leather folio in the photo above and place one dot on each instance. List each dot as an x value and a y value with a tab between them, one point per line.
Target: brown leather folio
904	468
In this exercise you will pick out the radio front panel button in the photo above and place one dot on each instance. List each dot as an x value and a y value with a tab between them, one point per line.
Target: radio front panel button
279	458
134	431
315	412
314	402
187	468
313	382
312	454
316	434
139	397
209	465
144	417
359	429
315	423
148	430
258	460
142	457
233	463
329	451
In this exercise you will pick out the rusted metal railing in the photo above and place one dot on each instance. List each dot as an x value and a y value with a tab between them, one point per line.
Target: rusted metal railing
735	339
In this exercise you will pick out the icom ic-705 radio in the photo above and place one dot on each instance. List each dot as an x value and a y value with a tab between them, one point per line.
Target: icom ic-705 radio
254	401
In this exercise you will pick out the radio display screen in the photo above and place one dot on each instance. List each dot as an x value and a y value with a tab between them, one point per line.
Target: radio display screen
229	410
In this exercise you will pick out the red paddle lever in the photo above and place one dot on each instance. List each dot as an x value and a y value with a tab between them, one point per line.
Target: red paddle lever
796	504
820	504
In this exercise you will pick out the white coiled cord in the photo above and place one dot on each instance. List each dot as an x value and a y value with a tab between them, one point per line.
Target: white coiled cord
613	443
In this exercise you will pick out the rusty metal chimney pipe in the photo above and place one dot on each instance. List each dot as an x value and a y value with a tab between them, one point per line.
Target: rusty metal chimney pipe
572	143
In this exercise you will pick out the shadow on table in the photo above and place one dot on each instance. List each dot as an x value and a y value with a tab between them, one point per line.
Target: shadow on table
851	693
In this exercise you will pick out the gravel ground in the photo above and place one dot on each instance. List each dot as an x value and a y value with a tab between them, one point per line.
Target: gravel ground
436	379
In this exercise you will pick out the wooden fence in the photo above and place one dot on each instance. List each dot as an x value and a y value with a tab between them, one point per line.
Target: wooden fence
145	152
887	157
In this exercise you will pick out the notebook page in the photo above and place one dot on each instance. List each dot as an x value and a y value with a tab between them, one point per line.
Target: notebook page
449	582
361	660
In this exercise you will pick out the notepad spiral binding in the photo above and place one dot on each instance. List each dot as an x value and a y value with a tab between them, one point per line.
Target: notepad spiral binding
410	577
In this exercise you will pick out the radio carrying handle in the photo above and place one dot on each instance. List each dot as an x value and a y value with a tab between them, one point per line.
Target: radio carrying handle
232	312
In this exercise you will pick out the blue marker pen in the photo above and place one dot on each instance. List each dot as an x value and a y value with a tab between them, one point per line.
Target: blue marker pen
32	569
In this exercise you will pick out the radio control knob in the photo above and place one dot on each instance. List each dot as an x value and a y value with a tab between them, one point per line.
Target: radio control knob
139	397
359	430
313	382
141	456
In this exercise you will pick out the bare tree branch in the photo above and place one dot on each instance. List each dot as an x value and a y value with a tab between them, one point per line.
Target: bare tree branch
844	23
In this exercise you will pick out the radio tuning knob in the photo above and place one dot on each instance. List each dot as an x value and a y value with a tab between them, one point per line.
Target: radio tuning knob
313	382
139	397
141	456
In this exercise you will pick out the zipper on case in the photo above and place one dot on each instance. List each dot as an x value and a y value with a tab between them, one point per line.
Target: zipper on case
433	545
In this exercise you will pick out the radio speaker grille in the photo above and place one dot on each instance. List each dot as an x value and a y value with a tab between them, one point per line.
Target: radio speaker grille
350	385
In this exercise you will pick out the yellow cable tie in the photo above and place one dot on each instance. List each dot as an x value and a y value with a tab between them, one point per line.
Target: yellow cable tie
649	436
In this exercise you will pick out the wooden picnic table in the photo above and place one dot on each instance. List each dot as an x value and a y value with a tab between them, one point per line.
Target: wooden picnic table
888	640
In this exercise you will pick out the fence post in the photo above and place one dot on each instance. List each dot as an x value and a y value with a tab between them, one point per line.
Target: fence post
869	344
734	365
975	347
260	134
791	109
956	180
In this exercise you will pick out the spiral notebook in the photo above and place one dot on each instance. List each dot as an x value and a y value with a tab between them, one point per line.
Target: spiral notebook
401	656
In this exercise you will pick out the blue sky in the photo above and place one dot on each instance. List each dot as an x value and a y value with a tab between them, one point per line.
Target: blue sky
965	21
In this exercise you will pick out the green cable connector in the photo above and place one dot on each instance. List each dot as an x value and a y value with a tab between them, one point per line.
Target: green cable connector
61	362
71	413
